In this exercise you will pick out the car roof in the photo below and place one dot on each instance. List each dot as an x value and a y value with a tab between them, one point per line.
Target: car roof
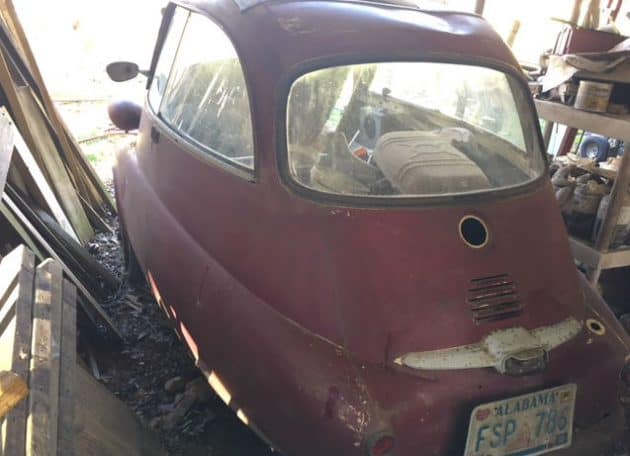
422	5
280	35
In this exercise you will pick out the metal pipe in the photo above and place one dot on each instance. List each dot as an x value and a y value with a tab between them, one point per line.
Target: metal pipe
480	6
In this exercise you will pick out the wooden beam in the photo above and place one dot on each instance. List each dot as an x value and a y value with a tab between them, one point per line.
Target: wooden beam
97	221
73	254
68	357
42	424
94	188
111	428
41	145
6	152
93	307
575	14
15	338
603	124
13	390
7	18
20	230
13	139
46	150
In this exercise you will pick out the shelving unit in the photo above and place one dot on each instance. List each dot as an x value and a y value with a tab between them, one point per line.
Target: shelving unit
597	256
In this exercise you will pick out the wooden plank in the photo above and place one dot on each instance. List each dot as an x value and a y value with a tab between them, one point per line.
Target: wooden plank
35	172
74	255
105	425
35	185
56	308
48	154
15	340
67	431
99	280
16	177
13	390
10	25
71	149
71	251
94	306
6	152
587	254
21	231
615	259
97	221
603	124
41	145
42	423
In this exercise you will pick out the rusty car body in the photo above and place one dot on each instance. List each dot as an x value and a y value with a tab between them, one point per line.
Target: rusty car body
344	207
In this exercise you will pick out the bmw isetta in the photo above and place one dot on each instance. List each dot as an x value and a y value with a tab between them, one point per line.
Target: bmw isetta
344	208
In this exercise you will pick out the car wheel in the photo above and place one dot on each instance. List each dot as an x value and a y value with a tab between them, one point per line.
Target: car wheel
595	148
133	271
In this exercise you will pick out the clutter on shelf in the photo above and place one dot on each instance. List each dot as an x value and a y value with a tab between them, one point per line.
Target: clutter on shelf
583	193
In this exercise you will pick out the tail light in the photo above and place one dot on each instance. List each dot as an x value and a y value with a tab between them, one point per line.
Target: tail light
380	444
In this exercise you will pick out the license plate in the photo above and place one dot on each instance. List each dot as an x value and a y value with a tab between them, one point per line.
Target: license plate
526	425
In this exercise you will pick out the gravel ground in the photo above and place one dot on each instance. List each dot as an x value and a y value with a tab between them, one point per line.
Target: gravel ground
151	358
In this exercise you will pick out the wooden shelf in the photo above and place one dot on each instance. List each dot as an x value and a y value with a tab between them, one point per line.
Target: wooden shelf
604	124
585	253
596	256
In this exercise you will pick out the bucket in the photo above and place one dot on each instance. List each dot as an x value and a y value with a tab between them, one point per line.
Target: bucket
593	96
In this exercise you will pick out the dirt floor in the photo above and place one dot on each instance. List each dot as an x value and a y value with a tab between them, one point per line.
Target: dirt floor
153	373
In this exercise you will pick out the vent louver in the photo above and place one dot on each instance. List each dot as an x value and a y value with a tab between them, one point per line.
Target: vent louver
493	298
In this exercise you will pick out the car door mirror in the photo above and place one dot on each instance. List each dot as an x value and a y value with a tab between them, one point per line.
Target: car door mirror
123	71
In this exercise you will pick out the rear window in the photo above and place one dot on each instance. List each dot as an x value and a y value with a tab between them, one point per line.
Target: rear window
410	129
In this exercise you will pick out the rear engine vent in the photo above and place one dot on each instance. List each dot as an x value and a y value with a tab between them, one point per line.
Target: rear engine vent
493	298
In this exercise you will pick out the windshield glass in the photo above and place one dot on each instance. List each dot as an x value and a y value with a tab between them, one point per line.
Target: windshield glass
410	129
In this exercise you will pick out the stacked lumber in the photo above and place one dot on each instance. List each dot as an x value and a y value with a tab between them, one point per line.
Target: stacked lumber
28	98
51	204
54	406
51	198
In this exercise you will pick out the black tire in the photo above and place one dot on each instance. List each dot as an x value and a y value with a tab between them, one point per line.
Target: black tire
595	147
133	270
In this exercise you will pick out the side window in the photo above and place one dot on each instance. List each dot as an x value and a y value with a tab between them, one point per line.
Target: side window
167	54
206	97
